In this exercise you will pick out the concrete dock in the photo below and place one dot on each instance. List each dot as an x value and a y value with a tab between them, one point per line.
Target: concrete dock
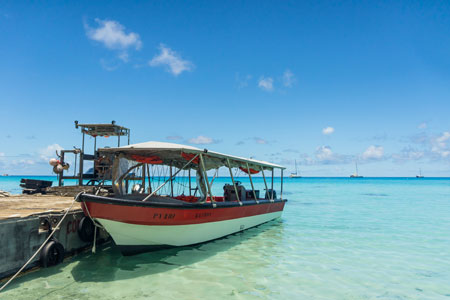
24	226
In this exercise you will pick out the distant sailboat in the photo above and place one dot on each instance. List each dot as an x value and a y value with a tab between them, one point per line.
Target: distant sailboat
420	174
356	175
295	175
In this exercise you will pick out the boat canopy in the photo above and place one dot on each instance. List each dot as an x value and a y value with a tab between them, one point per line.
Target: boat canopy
178	155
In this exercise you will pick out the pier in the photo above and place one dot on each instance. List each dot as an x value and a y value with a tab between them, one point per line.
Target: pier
27	220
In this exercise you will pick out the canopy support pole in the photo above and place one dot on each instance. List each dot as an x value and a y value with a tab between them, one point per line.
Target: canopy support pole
159	187
143	177
206	179
149	181
251	181
232	179
271	190
264	177
190	192
171	181
281	193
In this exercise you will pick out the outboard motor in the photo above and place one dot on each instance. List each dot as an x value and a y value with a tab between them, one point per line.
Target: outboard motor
229	193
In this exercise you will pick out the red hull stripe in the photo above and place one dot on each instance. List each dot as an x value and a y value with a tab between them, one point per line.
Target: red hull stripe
174	216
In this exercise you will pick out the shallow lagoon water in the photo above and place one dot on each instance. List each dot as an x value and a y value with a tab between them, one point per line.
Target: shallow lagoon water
339	238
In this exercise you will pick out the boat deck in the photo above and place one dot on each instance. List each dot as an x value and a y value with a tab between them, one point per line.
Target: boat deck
20	206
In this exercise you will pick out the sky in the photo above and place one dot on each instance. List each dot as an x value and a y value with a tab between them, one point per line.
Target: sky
322	83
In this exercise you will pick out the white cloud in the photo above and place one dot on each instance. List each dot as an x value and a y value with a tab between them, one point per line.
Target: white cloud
266	84
288	78
2	154
324	153
242	82
202	140
112	35
407	154
440	145
21	162
260	141
49	152
174	137
373	153
328	130
172	60
422	125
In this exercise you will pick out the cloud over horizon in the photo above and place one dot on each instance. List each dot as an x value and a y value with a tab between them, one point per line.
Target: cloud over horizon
112	35
373	153
202	140
266	84
328	130
171	60
288	78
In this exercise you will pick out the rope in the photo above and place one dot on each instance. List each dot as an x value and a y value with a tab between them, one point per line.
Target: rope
42	246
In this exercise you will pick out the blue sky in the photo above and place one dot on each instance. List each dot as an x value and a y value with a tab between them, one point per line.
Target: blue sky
321	82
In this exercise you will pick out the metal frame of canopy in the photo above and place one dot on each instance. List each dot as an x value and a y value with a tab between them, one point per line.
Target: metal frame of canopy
172	155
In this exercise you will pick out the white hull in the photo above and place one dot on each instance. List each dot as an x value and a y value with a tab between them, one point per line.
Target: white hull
125	234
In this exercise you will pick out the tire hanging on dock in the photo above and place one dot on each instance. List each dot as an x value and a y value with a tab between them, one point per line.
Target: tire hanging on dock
86	229
52	254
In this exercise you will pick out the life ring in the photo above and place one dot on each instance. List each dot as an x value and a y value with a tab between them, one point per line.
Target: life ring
52	254
102	165
86	229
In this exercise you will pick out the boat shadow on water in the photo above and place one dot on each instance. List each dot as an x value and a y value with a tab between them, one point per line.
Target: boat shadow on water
108	264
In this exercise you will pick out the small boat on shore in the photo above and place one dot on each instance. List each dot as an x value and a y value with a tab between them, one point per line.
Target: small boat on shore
141	217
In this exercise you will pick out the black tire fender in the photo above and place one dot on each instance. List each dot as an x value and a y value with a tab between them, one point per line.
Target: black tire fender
52	254
86	229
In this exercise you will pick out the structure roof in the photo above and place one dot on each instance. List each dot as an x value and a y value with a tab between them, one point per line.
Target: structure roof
110	129
171	152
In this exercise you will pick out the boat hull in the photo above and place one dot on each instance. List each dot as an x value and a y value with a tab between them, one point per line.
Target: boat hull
132	238
137	228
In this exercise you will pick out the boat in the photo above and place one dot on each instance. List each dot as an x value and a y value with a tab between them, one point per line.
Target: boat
356	175
420	174
148	216
5	175
295	175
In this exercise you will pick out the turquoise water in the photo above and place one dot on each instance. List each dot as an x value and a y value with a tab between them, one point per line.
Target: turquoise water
339	238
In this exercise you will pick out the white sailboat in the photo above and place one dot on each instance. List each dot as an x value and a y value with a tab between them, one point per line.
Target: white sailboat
420	174
295	175
356	175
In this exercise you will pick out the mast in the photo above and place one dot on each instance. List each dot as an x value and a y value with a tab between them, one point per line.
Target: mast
296	172
356	164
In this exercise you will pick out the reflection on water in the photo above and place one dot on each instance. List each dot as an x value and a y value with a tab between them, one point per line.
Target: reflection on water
364	239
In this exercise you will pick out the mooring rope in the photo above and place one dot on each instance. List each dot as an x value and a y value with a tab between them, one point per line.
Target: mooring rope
43	244
95	227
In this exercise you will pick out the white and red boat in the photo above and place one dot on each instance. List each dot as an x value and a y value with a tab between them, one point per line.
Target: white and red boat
141	217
